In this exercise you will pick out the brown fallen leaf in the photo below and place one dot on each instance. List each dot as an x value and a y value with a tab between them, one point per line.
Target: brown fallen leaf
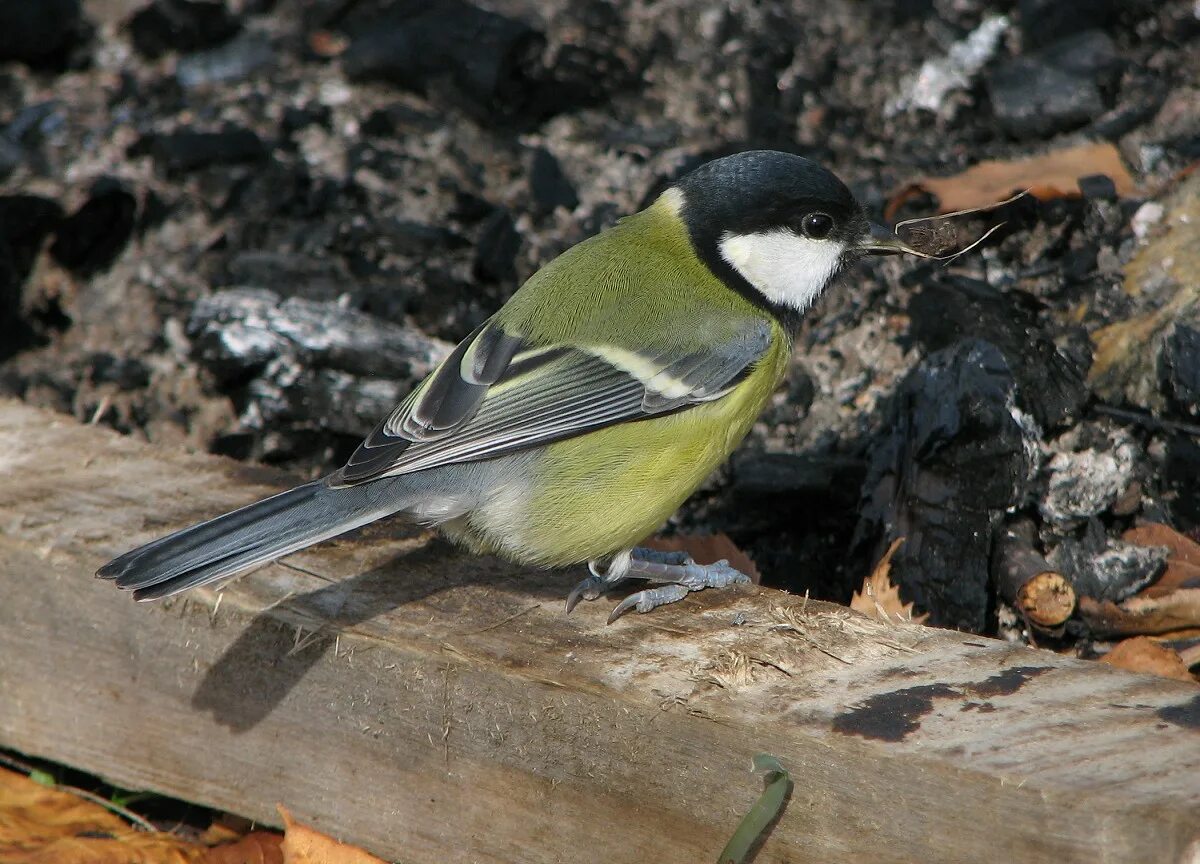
1190	656
1142	654
1183	566
1141	615
258	847
1183	548
880	599
707	548
1054	175
41	824
327	44
305	845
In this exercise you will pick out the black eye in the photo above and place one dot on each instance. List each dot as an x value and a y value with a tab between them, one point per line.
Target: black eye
817	225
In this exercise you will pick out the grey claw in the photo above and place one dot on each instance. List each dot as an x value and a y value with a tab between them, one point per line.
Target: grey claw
588	589
649	599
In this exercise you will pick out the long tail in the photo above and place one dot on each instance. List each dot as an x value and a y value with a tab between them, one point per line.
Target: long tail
253	535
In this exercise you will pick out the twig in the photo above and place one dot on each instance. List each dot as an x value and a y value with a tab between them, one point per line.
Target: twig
28	769
1148	421
108	805
504	621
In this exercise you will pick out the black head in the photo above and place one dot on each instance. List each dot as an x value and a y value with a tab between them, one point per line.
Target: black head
774	226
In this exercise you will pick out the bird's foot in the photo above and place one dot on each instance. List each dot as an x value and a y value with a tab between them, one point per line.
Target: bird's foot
676	572
602	575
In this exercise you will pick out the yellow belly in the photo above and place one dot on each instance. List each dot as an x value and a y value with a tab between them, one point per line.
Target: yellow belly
603	492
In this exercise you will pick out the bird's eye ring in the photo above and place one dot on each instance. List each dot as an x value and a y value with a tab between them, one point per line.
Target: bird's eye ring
816	226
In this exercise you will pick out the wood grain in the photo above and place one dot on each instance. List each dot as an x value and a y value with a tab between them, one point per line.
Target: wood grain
435	707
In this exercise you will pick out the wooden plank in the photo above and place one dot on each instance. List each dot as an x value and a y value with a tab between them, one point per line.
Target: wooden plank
437	707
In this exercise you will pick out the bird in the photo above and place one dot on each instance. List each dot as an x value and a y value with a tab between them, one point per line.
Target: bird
577	419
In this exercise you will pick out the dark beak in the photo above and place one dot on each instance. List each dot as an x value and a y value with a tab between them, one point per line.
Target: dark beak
883	241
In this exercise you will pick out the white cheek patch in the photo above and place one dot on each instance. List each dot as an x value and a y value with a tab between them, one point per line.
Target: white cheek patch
783	266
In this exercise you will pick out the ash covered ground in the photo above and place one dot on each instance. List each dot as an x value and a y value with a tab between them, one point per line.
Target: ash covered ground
249	227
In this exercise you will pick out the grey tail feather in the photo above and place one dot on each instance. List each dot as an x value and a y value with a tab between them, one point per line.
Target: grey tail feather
253	535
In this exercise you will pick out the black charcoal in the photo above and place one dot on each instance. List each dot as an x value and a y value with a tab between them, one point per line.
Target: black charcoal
1104	568
92	237
1055	89
127	373
1044	21
794	473
1179	368
238	331
181	25
496	251
40	33
549	187
1033	99
1050	382
482	55
1098	187
11	157
955	458
492	65
187	150
25	222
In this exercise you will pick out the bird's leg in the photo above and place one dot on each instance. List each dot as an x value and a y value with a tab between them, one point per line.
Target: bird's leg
679	576
603	574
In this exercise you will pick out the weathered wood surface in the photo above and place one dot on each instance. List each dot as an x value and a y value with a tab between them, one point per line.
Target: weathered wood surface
439	708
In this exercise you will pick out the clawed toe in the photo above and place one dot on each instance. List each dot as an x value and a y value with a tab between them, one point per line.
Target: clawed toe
651	598
588	589
675	573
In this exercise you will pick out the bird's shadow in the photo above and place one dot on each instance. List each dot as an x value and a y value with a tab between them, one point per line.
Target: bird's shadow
271	656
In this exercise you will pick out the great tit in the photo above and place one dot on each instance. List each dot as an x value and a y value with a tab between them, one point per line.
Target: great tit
572	423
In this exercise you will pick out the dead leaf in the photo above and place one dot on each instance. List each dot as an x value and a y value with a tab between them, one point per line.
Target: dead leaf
1054	175
1140	615
880	599
304	845
327	44
258	847
1190	656
1142	654
1183	566
43	824
1183	548
707	548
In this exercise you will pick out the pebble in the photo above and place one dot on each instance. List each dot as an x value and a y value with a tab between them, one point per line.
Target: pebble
1146	217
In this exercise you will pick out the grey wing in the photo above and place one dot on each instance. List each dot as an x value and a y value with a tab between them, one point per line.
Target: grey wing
495	395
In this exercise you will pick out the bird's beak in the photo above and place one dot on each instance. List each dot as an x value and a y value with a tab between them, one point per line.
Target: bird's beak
883	241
